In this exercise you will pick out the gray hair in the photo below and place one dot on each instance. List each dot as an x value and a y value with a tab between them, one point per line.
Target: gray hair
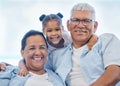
83	7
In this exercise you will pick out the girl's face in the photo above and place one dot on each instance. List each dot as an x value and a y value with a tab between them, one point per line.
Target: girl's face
53	32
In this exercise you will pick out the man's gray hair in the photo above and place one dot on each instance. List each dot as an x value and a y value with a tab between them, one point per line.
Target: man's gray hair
83	7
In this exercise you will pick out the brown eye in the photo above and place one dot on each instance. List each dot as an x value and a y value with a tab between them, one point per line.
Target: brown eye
49	30
57	29
31	48
42	47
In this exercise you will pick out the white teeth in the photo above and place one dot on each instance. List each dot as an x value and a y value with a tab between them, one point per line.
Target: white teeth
38	59
54	37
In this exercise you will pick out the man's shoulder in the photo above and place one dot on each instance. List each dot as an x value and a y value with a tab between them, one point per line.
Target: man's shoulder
108	40
108	37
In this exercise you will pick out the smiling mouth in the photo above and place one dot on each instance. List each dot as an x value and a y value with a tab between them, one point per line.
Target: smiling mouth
80	31
38	58
55	38
84	30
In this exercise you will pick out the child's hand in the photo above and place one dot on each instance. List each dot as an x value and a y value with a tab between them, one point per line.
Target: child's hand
23	72
2	67
92	41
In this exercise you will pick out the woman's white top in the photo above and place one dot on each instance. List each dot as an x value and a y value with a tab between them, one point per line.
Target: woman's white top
38	80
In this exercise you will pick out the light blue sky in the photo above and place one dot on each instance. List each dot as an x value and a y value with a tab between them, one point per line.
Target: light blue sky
19	16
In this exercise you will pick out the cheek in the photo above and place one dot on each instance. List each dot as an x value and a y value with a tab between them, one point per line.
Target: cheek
91	30
47	34
72	32
28	56
60	33
45	53
27	62
72	25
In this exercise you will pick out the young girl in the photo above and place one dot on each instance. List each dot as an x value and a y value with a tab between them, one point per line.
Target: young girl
56	36
54	31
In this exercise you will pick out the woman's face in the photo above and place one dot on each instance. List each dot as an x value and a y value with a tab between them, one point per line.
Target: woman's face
53	32
35	53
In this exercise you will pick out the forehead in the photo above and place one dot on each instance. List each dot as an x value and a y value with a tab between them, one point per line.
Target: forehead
35	39
52	23
81	14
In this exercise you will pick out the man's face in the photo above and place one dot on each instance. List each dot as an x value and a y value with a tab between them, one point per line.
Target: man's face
52	31
35	53
81	27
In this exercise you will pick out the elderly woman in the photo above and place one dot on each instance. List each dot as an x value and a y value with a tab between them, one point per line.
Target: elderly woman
34	52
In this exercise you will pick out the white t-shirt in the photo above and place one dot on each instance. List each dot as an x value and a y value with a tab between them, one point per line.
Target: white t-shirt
38	80
75	77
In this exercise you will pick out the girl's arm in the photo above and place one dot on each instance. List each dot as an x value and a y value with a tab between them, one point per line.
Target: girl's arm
92	41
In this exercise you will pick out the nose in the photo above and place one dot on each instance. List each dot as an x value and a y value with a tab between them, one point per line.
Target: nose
37	52
54	32
80	24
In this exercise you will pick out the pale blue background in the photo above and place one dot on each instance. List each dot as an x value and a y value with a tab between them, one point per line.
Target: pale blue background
19	16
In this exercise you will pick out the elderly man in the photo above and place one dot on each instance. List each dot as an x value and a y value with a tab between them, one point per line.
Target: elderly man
78	66
34	52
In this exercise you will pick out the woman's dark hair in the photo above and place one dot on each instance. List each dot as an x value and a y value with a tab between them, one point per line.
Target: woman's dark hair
28	34
45	18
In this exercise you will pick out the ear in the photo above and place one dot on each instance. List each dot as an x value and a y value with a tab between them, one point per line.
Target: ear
68	25
95	26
